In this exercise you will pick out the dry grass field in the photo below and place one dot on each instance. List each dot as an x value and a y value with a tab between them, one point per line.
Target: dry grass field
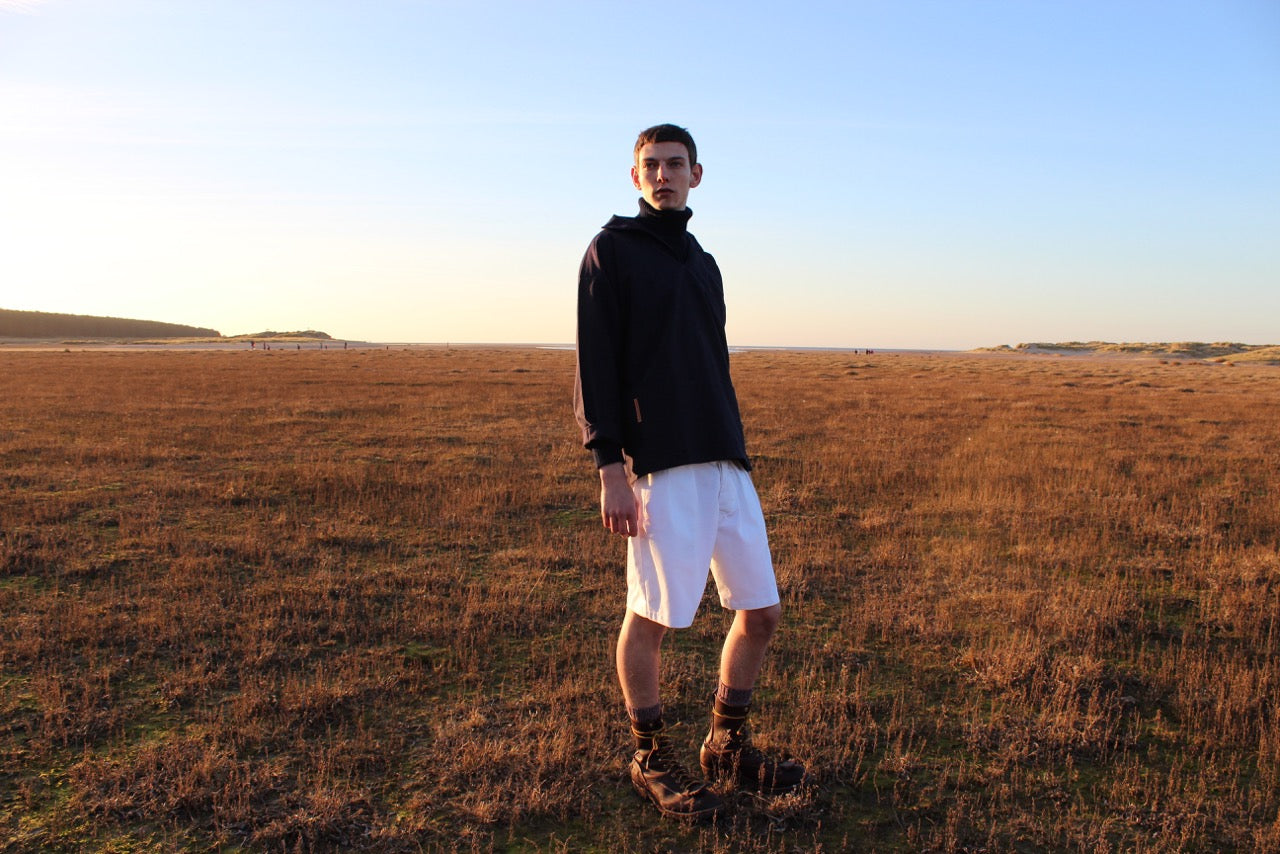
327	600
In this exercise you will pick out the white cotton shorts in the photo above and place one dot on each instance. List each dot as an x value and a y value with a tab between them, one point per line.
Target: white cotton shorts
694	518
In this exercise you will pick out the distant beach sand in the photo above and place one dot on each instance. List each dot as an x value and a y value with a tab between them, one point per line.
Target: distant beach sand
1208	353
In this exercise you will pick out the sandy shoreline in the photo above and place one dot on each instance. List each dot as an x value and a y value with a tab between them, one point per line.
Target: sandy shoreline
14	345
285	344
291	345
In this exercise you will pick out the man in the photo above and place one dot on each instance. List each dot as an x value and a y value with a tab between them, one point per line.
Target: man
660	416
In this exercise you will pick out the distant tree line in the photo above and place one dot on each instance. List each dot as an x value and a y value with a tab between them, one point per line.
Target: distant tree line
39	324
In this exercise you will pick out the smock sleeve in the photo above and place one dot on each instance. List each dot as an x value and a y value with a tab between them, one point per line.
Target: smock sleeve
600	337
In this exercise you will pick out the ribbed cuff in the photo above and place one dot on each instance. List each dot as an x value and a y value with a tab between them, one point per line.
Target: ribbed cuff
733	696
606	455
647	719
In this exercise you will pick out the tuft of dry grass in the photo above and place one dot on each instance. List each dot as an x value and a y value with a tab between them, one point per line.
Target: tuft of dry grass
329	600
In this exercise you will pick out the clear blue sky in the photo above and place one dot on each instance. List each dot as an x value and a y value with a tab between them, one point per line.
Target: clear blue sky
943	174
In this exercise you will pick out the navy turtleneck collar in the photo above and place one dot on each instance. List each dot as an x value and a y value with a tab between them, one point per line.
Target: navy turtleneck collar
673	221
668	226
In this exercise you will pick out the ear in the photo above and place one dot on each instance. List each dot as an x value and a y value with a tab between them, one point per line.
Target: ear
695	175
635	177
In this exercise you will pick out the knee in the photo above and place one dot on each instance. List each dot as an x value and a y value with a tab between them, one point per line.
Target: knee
641	630
761	622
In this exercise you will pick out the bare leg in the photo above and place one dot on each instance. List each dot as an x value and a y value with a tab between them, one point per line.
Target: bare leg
745	645
727	750
655	773
639	648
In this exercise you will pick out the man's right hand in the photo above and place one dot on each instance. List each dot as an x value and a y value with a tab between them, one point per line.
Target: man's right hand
619	507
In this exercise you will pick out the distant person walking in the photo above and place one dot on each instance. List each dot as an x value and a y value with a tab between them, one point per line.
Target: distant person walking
658	411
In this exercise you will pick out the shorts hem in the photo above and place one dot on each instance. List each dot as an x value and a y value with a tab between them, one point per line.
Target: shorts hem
661	619
752	606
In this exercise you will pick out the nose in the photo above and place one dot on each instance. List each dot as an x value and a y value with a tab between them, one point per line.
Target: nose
662	175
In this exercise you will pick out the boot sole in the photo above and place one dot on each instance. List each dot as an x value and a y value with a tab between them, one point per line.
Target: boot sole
714	774
700	816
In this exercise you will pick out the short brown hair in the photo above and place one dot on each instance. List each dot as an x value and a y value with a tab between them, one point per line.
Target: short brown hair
667	133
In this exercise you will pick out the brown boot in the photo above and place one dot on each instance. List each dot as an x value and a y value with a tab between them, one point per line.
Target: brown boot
728	752
657	776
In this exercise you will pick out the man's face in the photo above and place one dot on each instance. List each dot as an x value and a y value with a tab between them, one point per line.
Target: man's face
664	175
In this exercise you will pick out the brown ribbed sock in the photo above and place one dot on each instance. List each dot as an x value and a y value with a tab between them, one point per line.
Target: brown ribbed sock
648	718
733	696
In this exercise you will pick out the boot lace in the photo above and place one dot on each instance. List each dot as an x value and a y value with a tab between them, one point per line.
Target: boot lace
663	763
